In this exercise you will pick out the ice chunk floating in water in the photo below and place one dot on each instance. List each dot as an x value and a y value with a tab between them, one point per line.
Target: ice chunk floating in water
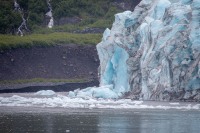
60	100
97	92
153	53
45	93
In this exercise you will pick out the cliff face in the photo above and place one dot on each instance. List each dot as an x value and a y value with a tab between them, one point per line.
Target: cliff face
153	53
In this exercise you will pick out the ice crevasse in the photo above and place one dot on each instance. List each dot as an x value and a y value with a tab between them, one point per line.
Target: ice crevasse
152	53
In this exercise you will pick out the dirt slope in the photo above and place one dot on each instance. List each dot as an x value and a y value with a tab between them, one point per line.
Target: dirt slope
57	62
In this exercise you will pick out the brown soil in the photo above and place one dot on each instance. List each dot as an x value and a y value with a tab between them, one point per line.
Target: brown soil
68	61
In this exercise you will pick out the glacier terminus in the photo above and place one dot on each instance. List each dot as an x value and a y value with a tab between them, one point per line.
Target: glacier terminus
152	53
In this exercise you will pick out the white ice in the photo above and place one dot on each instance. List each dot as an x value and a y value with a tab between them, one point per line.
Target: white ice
45	93
149	51
60	100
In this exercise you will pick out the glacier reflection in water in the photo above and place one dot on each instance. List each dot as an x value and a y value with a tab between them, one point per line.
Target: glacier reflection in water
97	120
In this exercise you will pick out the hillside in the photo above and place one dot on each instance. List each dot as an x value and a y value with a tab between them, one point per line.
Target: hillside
44	66
73	14
64	53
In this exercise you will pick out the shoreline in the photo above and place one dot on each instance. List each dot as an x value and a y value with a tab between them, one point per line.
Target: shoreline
57	87
58	68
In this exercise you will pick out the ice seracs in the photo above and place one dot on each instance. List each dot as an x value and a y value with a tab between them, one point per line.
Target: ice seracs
153	53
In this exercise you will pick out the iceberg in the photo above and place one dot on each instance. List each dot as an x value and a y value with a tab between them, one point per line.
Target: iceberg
45	93
152	53
61	101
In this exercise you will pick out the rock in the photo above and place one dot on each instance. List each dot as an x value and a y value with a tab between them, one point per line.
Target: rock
91	73
95	59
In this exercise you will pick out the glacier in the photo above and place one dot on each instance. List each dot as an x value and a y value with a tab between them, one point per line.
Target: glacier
152	53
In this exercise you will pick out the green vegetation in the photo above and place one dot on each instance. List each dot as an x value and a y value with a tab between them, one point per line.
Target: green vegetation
92	13
41	80
10	41
10	19
100	23
88	21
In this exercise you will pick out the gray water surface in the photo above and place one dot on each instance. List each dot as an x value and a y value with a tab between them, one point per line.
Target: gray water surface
60	120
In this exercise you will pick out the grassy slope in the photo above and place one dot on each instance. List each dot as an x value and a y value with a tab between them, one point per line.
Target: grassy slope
44	40
9	41
41	80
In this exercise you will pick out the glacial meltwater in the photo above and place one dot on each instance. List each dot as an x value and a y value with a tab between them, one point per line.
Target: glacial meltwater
60	120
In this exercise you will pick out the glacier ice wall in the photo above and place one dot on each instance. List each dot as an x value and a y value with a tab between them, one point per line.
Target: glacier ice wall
153	53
